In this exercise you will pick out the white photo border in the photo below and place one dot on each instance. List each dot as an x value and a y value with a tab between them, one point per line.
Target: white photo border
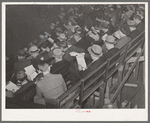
72	114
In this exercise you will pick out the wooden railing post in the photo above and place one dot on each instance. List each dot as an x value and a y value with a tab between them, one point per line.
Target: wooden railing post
101	95
123	61
120	72
106	91
81	93
125	78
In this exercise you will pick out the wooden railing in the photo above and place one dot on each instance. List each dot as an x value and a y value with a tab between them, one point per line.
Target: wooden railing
96	80
84	88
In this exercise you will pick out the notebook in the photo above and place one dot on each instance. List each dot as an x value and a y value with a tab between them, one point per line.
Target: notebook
31	71
12	87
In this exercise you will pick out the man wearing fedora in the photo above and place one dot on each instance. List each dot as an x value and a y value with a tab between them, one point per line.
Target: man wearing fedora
109	43
139	24
66	49
59	66
50	87
34	51
22	62
134	31
122	36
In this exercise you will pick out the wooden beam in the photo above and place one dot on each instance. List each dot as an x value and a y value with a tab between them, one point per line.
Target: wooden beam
133	59
130	85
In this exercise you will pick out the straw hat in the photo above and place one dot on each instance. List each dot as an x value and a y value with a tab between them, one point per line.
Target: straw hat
62	36
95	50
58	53
110	39
33	49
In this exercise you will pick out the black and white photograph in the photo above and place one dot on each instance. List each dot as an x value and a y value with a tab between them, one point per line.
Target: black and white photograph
75	60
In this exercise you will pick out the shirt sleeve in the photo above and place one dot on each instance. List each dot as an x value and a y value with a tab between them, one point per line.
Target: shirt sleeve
78	50
63	83
39	92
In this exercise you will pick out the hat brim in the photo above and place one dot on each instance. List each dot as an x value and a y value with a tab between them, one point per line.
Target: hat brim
90	52
125	29
38	50
58	55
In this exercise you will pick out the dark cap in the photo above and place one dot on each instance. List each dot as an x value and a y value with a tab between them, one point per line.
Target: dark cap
137	17
125	29
21	53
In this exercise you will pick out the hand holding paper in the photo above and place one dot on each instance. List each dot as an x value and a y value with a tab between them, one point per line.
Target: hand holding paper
77	54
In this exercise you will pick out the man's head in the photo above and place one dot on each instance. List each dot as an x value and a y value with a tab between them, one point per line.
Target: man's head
43	66
34	51
52	26
45	47
42	35
123	31
137	19
62	37
110	42
95	51
21	76
21	54
131	24
63	45
58	54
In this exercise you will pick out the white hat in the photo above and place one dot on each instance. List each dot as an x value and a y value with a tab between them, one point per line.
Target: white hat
33	49
110	39
58	52
95	50
62	36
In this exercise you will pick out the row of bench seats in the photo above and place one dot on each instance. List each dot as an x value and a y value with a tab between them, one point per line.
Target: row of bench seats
92	81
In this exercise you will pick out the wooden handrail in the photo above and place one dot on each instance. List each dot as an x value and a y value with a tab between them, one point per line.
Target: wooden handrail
72	89
79	83
125	78
76	87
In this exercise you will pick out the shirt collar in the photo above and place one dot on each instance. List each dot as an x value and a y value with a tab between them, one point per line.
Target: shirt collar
46	72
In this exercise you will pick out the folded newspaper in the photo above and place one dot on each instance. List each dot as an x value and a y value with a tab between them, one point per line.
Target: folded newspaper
80	59
31	71
12	87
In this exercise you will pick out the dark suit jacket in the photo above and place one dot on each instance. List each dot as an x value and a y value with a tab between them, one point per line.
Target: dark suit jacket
67	55
21	64
26	92
134	33
140	27
61	67
99	62
122	42
51	86
45	56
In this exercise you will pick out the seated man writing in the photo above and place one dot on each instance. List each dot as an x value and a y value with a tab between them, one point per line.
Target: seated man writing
51	86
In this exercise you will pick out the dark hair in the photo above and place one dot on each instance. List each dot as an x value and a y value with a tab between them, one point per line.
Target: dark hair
21	76
46	44
62	44
42	63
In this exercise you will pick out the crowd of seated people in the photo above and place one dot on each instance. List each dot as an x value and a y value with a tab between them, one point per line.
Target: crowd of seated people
95	35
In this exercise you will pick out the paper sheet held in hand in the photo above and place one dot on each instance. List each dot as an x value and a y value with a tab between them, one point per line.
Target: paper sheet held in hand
11	86
81	61
30	71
